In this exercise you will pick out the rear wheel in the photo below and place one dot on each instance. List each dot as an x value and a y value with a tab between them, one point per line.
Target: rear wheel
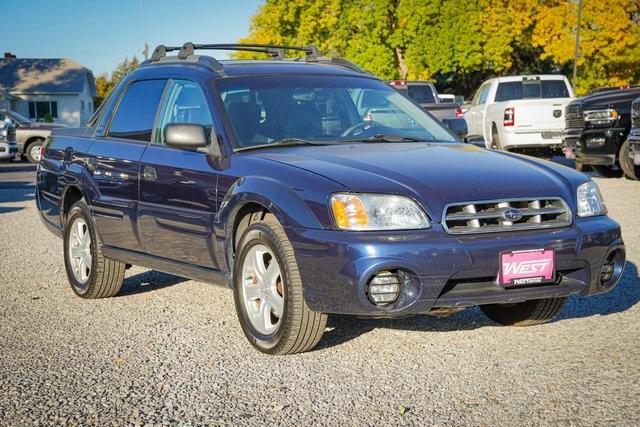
32	151
90	274
495	142
607	171
527	313
268	292
630	170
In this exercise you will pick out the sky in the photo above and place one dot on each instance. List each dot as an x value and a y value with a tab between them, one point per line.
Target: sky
99	34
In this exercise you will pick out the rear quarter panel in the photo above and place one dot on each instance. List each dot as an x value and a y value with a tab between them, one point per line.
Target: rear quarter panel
58	171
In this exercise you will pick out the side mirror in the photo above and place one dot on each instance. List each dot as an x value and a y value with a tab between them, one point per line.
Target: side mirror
187	136
458	126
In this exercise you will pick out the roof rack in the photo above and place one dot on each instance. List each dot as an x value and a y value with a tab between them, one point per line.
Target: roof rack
276	51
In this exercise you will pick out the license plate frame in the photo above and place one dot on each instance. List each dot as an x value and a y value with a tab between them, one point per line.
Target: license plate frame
526	267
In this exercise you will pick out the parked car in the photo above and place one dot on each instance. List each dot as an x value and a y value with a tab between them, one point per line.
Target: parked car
596	130
633	144
30	135
263	176
520	113
425	94
8	145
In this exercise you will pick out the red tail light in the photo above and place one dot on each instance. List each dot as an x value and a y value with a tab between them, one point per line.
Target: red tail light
509	116
459	112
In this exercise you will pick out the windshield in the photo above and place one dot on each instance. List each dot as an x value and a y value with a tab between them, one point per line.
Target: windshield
322	109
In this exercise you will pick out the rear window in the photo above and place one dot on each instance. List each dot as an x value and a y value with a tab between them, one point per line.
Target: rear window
422	94
536	89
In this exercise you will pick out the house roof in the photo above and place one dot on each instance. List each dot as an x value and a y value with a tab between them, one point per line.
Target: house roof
26	75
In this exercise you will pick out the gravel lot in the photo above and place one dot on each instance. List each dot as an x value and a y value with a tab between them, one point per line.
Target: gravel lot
169	350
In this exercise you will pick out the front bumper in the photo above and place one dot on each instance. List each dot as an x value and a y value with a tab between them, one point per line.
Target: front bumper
596	146
8	150
634	146
443	270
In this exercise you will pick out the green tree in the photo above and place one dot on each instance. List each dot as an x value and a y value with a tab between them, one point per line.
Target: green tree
610	40
459	43
105	82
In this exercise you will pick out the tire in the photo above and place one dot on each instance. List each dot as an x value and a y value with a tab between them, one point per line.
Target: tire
298	329
527	313
629	169
104	276
607	171
30	150
495	142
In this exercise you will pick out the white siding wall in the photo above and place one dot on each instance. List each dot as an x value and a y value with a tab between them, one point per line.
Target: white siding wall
69	106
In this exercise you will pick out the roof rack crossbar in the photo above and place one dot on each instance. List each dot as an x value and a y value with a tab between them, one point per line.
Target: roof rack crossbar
277	51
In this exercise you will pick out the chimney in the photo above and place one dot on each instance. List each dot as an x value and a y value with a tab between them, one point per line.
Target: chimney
8	56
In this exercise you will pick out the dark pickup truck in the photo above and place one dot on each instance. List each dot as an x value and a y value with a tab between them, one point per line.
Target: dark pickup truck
633	142
596	132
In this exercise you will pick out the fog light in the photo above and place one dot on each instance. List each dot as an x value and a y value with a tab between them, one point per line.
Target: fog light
611	269
383	288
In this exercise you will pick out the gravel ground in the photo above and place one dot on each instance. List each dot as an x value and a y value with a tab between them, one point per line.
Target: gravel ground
169	350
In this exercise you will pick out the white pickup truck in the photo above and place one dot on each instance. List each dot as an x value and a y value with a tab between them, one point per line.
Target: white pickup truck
520	113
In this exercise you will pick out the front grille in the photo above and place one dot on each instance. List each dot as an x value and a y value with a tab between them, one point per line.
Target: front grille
635	114
502	215
574	117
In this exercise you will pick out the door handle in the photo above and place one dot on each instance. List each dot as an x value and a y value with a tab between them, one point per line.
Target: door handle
149	173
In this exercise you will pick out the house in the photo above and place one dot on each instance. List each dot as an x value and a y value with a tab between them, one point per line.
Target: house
38	87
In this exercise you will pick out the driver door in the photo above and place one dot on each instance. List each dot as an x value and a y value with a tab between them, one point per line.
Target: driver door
178	186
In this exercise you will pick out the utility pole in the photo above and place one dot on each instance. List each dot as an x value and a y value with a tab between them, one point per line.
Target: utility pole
145	51
576	53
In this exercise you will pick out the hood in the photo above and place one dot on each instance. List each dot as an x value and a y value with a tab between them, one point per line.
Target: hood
608	99
433	174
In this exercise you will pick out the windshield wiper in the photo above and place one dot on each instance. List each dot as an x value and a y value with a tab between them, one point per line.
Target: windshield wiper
383	137
283	142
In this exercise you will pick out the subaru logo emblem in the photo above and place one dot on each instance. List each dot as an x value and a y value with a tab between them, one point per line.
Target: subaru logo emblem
557	113
512	214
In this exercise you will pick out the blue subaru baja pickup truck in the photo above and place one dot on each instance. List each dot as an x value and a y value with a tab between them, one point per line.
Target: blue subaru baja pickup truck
272	177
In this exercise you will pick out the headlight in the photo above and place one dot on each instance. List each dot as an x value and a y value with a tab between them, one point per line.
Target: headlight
369	212
590	202
601	115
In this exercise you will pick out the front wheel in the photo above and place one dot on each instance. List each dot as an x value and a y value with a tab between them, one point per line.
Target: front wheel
630	170
527	313
90	274
33	151
268	292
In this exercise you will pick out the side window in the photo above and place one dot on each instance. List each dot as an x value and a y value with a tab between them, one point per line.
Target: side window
136	112
484	94
185	102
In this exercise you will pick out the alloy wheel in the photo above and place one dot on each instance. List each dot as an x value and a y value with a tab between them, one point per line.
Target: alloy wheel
263	289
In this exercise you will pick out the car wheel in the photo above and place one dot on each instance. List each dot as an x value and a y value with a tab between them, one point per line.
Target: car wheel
268	292
607	171
629	169
527	313
495	142
32	150
90	274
